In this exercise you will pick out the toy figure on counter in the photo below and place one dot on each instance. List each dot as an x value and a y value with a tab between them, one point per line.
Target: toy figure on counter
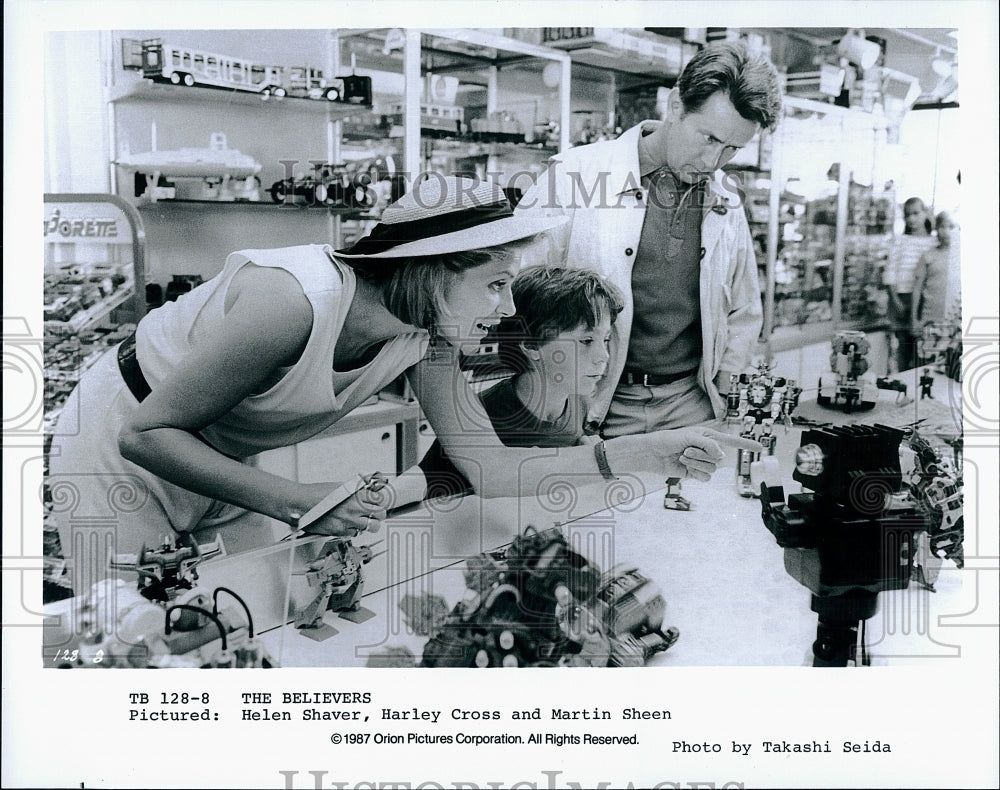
845	387
337	573
539	603
926	382
672	499
899	387
166	621
849	535
170	568
756	400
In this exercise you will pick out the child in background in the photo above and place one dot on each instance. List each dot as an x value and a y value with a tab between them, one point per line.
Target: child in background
936	279
557	344
898	278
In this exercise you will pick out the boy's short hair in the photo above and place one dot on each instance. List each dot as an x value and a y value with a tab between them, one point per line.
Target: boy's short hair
553	299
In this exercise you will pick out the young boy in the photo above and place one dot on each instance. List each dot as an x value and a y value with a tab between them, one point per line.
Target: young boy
557	344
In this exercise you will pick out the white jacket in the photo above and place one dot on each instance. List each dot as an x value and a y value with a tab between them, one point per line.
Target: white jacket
599	188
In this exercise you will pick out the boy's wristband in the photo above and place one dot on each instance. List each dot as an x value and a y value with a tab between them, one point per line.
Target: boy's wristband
602	461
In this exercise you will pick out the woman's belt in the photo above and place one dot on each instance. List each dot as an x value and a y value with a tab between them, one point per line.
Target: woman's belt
136	382
128	364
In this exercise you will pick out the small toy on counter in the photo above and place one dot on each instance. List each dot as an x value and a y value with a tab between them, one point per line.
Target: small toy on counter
337	570
756	400
539	603
166	621
845	386
672	499
337	573
897	386
926	384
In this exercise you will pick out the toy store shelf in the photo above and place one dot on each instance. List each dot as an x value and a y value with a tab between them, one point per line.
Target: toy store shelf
147	90
255	205
93	315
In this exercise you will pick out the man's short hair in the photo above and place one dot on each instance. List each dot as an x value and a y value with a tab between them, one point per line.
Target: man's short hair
749	80
550	300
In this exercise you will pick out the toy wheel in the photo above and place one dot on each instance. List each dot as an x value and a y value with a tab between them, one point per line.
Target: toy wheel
279	92
320	194
278	193
188	80
175	79
332	94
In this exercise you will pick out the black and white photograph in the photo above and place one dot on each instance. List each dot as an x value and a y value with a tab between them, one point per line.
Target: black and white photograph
659	364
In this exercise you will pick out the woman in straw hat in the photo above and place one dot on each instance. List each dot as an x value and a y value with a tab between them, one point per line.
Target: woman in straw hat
279	346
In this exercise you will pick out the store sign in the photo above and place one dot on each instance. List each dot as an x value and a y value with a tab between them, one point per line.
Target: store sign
76	223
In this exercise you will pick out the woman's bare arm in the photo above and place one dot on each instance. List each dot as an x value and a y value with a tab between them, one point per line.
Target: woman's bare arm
267	324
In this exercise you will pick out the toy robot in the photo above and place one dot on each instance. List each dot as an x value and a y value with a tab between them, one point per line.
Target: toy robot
926	384
936	486
337	573
755	401
165	621
850	534
541	604
845	386
672	499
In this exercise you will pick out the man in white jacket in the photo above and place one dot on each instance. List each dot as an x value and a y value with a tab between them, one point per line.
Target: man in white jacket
653	213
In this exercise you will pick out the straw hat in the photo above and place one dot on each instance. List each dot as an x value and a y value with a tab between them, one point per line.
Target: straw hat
444	214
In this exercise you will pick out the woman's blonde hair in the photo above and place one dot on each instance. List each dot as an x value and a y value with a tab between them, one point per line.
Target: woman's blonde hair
416	289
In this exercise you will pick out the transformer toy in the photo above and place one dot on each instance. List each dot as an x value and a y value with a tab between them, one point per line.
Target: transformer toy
926	384
936	486
755	401
337	574
166	621
845	386
854	530
539	603
672	499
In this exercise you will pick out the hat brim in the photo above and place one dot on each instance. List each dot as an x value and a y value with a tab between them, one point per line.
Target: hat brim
490	234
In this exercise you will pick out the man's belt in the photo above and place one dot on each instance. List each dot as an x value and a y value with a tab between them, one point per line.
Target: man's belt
632	376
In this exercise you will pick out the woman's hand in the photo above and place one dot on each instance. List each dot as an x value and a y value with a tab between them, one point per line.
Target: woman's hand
685	452
363	510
